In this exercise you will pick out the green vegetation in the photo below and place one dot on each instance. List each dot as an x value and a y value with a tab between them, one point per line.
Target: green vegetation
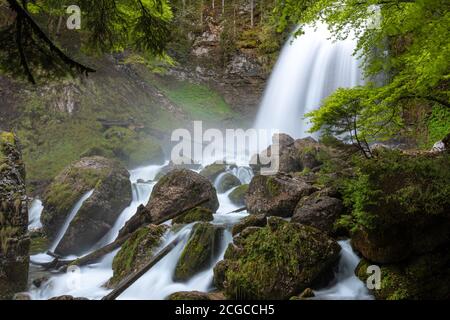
115	26
414	35
401	184
277	261
194	215
198	101
136	251
438	125
201	248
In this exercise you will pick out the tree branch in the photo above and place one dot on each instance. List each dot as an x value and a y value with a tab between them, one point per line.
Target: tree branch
23	15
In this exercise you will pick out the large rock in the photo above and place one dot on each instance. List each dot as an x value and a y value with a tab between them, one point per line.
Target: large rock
111	187
237	196
203	246
401	205
212	171
181	189
136	251
14	242
253	220
276	195
227	182
181	164
424	277
276	262
293	155
196	296
319	210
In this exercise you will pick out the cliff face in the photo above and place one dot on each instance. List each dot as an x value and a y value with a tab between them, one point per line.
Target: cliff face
231	48
14	242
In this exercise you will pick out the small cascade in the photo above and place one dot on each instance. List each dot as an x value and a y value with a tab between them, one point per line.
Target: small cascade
34	214
345	284
72	214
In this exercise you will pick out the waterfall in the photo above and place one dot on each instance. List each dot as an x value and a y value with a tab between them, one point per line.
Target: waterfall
309	69
34	214
69	219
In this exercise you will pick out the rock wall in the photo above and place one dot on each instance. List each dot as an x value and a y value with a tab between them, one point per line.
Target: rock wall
14	242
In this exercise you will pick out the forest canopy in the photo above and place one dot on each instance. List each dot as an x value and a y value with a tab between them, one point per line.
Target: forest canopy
404	54
29	36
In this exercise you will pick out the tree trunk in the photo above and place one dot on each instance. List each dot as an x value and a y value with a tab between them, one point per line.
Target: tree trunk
132	278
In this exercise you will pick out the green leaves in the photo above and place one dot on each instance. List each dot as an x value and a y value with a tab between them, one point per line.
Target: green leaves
409	48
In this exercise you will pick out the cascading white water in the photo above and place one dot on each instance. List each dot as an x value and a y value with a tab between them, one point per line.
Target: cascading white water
34	214
309	68
157	283
345	284
69	218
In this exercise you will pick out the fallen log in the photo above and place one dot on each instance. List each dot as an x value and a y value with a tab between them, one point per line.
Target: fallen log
238	210
99	253
132	278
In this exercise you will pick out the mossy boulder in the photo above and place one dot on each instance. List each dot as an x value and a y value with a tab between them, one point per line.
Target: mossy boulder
320	211
253	220
181	189
194	215
111	187
401	205
212	171
196	296
136	251
203	246
14	241
276	195
424	277
188	164
227	182
237	196
277	261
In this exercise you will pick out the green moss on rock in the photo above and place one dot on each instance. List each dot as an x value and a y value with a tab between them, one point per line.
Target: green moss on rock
202	247
401	205
237	196
277	261
426	277
212	171
136	251
194	215
227	182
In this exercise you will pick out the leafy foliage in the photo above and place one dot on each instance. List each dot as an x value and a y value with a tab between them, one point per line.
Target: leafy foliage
409	47
107	26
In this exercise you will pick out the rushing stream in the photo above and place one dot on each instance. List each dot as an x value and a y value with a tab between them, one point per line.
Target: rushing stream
309	69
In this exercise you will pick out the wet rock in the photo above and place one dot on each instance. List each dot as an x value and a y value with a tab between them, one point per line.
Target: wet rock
276	261
319	211
181	189
237	196
203	245
227	182
253	220
194	215
293	155
68	298
111	195
136	251
276	195
14	242
182	164
212	171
